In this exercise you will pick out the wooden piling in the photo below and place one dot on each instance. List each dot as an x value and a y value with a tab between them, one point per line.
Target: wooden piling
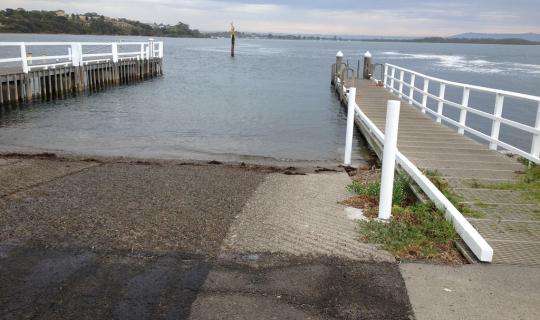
16	88
61	81
1	91
28	83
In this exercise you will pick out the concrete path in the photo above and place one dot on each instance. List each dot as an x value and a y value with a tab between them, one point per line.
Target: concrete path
300	215
164	240
473	291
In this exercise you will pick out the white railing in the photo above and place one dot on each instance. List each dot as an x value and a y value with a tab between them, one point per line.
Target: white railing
467	232
76	55
407	89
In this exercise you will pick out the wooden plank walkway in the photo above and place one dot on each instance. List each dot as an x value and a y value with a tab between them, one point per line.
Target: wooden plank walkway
509	223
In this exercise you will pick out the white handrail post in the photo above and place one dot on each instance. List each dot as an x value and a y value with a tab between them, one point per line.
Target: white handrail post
392	78
440	105
385	77
389	159
76	54
114	50
24	58
351	101
463	111
425	95
151	46
142	51
411	88
160	46
535	148
401	76
496	126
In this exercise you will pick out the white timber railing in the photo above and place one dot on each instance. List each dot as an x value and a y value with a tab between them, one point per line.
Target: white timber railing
395	75
77	53
473	239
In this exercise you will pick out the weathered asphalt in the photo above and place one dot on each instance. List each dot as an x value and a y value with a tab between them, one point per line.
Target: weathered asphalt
113	240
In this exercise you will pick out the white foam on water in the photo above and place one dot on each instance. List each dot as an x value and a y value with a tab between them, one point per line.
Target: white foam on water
462	63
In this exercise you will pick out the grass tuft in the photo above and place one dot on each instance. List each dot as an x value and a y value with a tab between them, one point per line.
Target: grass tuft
417	231
529	182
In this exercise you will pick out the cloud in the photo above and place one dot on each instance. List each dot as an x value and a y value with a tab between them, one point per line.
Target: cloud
350	17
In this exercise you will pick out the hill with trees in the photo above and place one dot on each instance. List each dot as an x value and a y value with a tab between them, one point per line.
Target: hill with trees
59	22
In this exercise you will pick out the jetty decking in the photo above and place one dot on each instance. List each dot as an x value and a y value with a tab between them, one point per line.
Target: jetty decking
510	224
505	218
86	67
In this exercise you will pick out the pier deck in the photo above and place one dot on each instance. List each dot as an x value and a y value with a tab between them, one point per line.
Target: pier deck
508	222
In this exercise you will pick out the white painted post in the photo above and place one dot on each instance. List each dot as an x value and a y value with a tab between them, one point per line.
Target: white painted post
392	77
76	54
147	52
160	46
389	159
385	75
535	148
142	51
401	76
463	112
351	101
151	46
496	125
114	48
440	105
425	95
411	88
24	59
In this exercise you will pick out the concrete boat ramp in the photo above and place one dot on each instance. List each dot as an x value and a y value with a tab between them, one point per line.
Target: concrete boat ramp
103	239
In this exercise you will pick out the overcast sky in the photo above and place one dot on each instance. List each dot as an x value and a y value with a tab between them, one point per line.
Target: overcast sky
342	17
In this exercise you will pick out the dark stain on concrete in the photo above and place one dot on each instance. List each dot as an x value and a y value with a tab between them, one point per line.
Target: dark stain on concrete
67	283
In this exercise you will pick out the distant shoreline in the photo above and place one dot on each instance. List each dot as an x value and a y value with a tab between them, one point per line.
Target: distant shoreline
519	42
20	21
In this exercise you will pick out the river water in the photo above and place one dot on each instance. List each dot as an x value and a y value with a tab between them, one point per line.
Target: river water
273	102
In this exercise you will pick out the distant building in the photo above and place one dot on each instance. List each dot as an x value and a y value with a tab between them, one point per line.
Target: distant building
60	13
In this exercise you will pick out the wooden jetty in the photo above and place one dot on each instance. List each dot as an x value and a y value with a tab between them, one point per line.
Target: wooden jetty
507	220
28	78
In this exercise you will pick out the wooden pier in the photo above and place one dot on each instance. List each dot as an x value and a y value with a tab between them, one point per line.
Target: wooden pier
506	219
53	81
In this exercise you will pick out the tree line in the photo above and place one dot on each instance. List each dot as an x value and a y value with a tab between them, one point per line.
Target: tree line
58	22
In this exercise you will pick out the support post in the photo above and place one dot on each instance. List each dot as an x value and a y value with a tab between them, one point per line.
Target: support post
339	62
535	148
411	88
24	59
351	101
114	50
401	77
385	79
425	95
160	46
496	126
389	159
392	78
440	105
76	54
368	66
463	112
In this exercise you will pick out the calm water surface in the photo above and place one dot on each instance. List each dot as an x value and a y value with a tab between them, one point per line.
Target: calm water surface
272	102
